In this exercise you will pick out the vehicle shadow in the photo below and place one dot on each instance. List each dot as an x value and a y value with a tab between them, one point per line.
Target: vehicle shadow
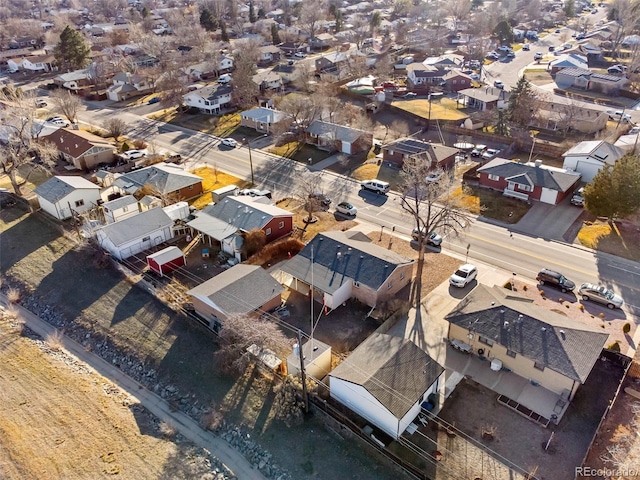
372	198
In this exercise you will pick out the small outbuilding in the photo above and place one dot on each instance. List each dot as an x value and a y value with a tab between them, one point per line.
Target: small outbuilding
317	359
166	260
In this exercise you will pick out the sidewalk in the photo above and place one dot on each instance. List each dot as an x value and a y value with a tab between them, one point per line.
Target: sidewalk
152	402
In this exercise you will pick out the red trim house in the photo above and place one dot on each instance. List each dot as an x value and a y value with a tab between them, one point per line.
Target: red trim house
526	181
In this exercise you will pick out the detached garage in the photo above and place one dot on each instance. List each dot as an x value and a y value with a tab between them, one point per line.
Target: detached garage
166	260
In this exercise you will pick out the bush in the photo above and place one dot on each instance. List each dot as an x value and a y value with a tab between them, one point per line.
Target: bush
626	328
125	147
139	144
614	347
13	295
508	285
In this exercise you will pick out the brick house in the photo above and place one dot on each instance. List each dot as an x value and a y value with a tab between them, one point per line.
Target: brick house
440	156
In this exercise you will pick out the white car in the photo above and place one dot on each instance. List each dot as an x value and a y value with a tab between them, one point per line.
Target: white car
490	153
435	176
634	130
504	48
300	55
377	186
538	56
463	276
498	84
474	76
619	115
40	103
57	121
346	208
229	142
478	150
225	78
133	154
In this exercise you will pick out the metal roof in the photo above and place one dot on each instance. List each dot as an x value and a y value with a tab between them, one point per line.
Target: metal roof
137	226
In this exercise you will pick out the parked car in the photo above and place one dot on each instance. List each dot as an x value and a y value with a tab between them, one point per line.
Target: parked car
474	76
133	154
154	100
432	239
40	103
634	130
498	84
229	142
346	209
409	95
552	48
538	56
175	158
526	47
254	192
58	121
504	48
434	176
225	78
490	153
300	55
321	198
619	115
377	186
463	276
557	30
600	294
492	56
511	54
478	150
555	279
577	199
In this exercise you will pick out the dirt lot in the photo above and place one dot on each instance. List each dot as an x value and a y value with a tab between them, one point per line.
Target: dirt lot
45	430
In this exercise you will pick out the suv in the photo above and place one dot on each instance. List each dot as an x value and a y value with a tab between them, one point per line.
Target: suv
600	294
321	198
478	150
432	239
377	186
555	279
577	199
490	153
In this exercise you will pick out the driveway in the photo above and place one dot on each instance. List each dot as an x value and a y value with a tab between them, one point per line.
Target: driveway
548	221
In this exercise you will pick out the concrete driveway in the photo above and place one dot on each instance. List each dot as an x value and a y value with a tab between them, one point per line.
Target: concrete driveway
548	221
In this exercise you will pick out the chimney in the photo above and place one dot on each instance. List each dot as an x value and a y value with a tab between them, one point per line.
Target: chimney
538	163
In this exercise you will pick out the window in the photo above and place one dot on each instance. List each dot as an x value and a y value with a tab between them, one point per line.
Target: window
525	188
190	187
79	203
402	276
538	365
268	231
356	284
125	208
493	177
281	225
146	239
455	81
390	152
389	285
511	353
485	340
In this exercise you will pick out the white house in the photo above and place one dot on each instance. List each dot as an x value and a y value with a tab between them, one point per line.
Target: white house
386	380
210	99
62	196
127	85
120	208
135	234
590	156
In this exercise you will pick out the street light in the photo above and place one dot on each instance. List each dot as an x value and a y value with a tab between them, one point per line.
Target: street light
244	140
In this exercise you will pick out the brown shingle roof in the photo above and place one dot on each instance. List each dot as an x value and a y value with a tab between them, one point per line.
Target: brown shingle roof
76	143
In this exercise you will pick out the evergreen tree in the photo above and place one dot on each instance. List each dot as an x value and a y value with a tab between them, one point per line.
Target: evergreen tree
503	32
224	36
261	13
375	21
502	123
570	8
208	21
615	190
144	12
72	52
275	35
252	12
522	104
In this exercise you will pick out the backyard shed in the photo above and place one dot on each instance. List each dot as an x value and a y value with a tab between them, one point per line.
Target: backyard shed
317	359
166	260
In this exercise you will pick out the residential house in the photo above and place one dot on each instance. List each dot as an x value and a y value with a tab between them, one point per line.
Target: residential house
225	64
526	181
333	63
201	71
563	117
262	119
291	48
75	80
268	54
439	156
136	234
344	265
225	222
332	137
127	85
82	149
242	290
551	354
169	181
446	61
420	75
455	80
33	63
484	98
210	99
290	71
587	80
386	380
62	197
120	208
567	61
588	157
268	80
322	41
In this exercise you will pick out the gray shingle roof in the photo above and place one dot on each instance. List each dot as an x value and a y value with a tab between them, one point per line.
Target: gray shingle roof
164	178
212	92
599	150
56	188
335	132
553	340
486	94
244	213
339	257
411	146
530	175
120	202
137	226
392	369
239	290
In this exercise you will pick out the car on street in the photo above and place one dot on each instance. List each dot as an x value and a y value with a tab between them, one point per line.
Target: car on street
580	36
300	55
133	154
490	153
377	186
634	130
555	279
619	115
557	30
511	54
432	239
409	95
463	276
600	294
538	56
577	198
57	121
154	100
474	76
346	208
504	48
229	142
526	47
552	48
321	198
493	56
478	150
498	84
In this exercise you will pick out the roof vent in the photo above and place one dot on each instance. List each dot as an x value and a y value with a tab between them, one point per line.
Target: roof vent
538	163
493	303
543	329
338	255
506	325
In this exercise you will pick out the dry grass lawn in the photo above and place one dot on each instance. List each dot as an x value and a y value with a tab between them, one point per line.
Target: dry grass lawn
443	110
326	220
621	240
59	419
487	203
34	177
211	181
366	171
538	76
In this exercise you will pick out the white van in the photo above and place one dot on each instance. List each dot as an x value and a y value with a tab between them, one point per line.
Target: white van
377	186
226	78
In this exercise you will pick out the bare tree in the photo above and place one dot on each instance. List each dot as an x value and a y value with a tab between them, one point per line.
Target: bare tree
172	84
20	148
459	10
115	127
308	194
303	109
240	332
312	14
431	206
68	103
245	90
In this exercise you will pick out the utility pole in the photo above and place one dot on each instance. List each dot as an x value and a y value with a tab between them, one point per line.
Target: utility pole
303	374
250	159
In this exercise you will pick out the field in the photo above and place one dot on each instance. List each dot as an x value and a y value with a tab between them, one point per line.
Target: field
443	110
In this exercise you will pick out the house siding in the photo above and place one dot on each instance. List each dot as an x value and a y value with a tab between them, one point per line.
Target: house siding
63	208
586	166
520	365
502	184
398	279
92	158
189	192
132	247
208	312
277	232
112	216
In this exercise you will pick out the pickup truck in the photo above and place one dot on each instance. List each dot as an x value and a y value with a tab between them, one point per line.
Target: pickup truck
577	199
619	115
